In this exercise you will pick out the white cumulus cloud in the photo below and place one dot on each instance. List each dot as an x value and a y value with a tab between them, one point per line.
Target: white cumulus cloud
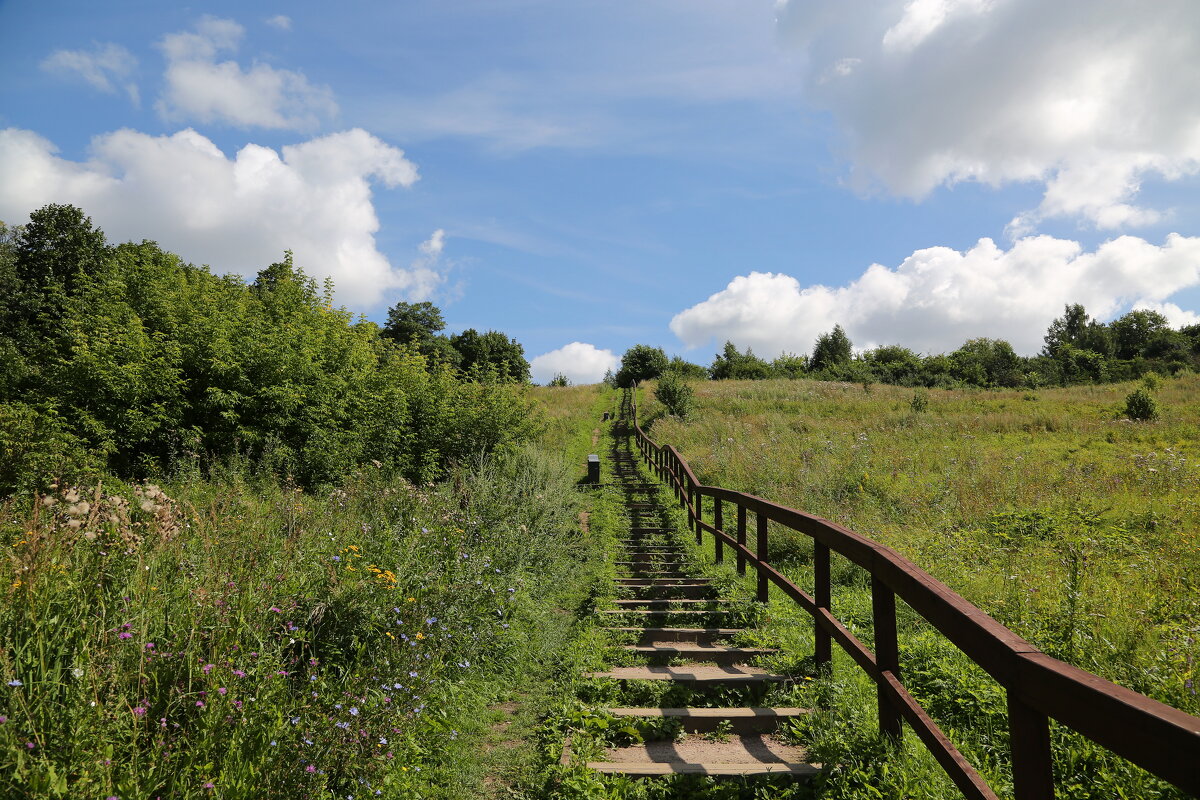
579	361
938	297
238	213
104	67
198	87
1087	97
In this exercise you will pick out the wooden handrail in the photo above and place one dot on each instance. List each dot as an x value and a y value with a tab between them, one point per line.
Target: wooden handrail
1151	734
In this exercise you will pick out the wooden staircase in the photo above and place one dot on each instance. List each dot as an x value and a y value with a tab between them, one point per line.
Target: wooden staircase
672	620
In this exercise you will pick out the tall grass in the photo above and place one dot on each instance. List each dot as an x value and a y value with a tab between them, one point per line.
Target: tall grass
1071	525
223	639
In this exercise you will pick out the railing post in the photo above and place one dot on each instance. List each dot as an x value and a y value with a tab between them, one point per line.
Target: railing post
760	550
1029	738
887	654
719	524
823	594
698	501
741	538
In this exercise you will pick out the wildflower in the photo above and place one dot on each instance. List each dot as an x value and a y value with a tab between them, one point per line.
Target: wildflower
208	785
140	711
276	609
281	674
353	711
310	768
221	690
208	668
412	674
199	704
15	682
149	645
3	719
382	740
239	673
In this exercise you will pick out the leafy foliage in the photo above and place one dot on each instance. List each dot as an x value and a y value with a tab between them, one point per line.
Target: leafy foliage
675	393
139	364
641	363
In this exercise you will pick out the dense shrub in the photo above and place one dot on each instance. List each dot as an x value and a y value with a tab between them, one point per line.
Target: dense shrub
674	393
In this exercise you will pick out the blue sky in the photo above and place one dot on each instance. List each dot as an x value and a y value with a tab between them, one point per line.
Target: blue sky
585	176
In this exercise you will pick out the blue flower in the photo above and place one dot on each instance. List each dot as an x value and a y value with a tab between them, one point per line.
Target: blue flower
15	682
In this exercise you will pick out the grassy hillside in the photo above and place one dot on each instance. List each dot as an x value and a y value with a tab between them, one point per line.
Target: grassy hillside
1072	526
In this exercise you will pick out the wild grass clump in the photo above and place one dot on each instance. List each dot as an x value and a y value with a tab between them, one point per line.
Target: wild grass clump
234	640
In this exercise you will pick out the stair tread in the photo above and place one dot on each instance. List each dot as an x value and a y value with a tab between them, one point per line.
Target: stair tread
699	673
698	649
733	712
760	754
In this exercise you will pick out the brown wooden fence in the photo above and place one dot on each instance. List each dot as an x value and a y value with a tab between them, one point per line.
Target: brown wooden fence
1155	736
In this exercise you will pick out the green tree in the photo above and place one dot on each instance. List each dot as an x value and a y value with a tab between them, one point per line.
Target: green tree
1134	331
491	354
686	369
987	362
730	364
831	349
789	365
893	363
641	363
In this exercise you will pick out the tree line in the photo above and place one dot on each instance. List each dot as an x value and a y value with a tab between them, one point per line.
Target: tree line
125	360
1077	349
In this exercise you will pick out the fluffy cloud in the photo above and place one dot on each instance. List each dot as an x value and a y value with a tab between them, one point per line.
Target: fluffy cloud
1088	97
280	21
237	214
200	88
939	297
103	67
580	362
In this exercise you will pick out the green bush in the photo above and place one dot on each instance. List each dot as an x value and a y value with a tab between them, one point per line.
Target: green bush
675	393
1140	405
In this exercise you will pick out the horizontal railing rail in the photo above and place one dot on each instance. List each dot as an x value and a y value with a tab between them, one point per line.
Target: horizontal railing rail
1151	734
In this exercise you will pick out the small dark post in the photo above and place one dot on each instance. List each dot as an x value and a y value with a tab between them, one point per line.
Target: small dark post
1029	733
719	524
741	539
824	643
760	550
593	462
887	653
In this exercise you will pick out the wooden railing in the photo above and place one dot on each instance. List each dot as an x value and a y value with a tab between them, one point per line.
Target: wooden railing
1155	736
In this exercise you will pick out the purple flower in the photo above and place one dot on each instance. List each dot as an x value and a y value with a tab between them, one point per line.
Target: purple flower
207	668
140	711
310	768
199	704
149	645
15	682
208	785
239	673
221	690
276	609
353	711
126	635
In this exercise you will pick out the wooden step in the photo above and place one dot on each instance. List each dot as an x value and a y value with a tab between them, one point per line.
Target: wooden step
697	635
664	582
683	613
666	603
741	755
671	591
704	720
697	652
693	675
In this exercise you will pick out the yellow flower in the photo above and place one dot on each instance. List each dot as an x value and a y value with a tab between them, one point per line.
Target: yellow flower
420	635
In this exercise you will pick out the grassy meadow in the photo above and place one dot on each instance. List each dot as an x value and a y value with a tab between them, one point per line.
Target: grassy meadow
223	637
1070	525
